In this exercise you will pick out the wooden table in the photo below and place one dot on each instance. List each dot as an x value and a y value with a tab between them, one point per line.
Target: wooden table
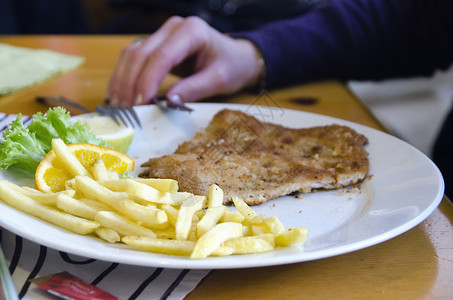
415	265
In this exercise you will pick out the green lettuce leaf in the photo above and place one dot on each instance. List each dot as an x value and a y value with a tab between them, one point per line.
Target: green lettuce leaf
20	148
24	147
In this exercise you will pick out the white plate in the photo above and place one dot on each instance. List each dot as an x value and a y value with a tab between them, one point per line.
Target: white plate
405	187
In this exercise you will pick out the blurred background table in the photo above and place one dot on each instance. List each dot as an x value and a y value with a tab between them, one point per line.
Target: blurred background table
415	265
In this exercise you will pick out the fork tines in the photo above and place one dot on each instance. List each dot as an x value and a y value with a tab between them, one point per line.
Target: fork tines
123	116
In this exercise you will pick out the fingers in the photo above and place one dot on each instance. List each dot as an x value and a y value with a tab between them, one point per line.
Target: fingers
201	85
234	66
122	85
190	37
218	64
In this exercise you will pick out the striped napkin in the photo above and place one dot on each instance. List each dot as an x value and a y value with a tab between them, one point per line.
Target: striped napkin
22	67
28	260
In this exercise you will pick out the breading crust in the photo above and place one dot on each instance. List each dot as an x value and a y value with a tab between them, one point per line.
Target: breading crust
260	161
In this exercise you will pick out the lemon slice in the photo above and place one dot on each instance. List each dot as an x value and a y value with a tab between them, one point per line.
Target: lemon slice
118	137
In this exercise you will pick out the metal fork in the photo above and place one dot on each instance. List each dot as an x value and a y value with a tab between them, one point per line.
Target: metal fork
121	115
127	115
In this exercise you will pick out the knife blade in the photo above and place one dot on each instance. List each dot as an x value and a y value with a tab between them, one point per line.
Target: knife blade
62	101
164	103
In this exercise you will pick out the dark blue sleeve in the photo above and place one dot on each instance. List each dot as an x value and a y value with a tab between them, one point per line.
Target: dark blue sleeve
358	39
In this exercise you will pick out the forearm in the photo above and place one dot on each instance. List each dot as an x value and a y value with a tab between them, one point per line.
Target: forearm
357	39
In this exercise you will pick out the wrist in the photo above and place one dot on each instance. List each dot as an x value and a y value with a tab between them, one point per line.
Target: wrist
256	65
262	69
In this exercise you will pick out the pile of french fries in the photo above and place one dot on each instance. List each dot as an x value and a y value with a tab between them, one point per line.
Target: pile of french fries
150	214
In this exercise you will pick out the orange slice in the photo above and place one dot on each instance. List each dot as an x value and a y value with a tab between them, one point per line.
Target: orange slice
51	175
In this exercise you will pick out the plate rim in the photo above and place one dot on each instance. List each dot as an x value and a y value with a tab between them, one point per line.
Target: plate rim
255	260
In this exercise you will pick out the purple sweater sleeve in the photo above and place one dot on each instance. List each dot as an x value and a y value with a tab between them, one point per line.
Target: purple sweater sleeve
358	39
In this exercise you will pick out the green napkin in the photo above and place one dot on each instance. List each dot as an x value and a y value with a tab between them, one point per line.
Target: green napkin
21	67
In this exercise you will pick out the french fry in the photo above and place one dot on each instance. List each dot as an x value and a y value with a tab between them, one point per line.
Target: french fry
249	245
212	239
109	235
43	198
72	165
116	185
172	213
113	175
200	213
70	184
247	230
222	251
94	190
99	171
215	196
160	245
168	234
274	225
210	219
268	237
26	204
178	197
32	190
291	236
95	204
148	216
76	207
193	229
123	226
185	215
232	216
163	185
249	214
143	191
259	229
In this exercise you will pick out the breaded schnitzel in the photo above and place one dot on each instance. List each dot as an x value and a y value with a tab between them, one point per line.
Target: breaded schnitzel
260	161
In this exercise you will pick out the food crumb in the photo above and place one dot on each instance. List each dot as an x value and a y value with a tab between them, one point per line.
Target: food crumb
353	190
298	195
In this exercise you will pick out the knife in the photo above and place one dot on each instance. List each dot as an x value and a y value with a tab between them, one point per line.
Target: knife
164	103
62	101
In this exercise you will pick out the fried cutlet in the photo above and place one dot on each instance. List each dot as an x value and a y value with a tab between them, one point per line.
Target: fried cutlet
260	161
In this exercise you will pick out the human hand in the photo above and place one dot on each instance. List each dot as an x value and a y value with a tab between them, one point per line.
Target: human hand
209	62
